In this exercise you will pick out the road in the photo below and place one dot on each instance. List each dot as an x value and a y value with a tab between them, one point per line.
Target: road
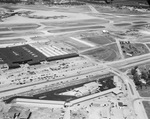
134	97
130	62
27	87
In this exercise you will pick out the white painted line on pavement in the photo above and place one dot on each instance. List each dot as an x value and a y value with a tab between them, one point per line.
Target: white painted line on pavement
43	52
55	50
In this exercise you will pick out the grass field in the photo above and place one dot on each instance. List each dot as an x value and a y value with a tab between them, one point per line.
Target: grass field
142	47
144	39
144	92
122	24
23	28
139	22
5	35
76	44
112	56
14	27
103	54
19	25
100	54
147	108
148	43
75	29
138	26
135	49
99	40
107	53
75	23
11	41
4	29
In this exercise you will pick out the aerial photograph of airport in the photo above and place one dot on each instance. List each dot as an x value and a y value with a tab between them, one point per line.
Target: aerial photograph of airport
74	59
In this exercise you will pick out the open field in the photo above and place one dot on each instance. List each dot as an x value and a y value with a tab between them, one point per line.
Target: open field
97	40
27	33
75	23
106	53
77	45
144	92
144	39
12	41
122	24
75	29
147	108
148	44
4	29
139	26
133	49
17	27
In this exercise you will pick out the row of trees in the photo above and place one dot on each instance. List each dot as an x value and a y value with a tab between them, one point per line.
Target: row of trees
110	1
33	1
15	1
141	77
51	1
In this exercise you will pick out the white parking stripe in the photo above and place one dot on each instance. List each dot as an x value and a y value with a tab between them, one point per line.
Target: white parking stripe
51	51
42	51
60	50
55	50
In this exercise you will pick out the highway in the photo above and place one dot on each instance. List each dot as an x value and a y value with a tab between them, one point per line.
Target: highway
37	85
132	92
134	96
116	64
130	62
